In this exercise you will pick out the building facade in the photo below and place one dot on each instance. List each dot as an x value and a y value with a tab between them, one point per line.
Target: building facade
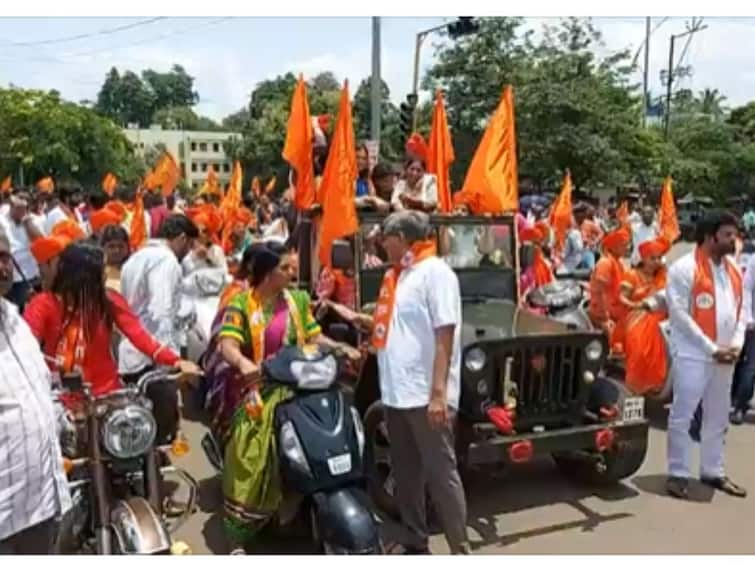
195	152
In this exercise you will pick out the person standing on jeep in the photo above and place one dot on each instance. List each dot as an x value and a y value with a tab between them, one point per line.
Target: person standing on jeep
708	311
417	334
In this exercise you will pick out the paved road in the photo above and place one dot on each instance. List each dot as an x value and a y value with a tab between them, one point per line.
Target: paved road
532	509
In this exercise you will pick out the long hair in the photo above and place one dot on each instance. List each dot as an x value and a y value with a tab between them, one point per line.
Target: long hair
80	284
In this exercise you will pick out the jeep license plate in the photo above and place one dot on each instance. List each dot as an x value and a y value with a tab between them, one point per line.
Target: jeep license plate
634	409
340	465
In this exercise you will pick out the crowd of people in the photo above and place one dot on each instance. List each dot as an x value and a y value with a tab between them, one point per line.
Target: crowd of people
89	297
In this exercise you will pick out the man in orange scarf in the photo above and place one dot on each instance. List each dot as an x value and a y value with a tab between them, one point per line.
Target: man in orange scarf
708	312
605	307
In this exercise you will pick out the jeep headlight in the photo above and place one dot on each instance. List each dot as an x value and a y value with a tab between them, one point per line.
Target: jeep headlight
129	432
594	350
475	359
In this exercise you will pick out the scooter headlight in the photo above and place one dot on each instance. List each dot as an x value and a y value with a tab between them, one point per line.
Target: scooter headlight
359	429
129	432
315	374
290	445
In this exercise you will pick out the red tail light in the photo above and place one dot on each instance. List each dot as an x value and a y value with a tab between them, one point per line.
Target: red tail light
610	413
604	439
521	452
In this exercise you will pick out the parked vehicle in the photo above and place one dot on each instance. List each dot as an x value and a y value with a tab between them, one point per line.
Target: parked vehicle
116	471
320	445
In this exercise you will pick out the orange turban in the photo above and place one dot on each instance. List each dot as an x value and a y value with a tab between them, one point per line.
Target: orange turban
103	217
118	208
69	229
617	238
416	147
658	247
46	248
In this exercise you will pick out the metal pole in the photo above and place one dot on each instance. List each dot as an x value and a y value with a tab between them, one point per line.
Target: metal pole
669	82
645	73
376	80
415	80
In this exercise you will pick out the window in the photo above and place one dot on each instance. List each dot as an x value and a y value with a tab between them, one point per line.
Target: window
195	185
183	166
216	147
204	167
141	145
226	168
194	167
216	166
202	146
193	146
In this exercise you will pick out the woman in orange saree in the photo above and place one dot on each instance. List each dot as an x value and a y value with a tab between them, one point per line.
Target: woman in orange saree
646	360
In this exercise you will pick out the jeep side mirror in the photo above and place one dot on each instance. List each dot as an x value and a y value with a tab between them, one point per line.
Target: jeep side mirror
341	255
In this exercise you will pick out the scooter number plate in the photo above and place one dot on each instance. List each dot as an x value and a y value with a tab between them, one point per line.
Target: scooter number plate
340	465
634	409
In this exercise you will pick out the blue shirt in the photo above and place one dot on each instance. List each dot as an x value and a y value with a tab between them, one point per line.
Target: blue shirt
363	188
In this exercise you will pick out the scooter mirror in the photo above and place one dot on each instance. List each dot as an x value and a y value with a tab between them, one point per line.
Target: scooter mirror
72	381
339	332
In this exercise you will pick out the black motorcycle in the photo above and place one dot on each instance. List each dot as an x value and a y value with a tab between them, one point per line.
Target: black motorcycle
320	445
116	468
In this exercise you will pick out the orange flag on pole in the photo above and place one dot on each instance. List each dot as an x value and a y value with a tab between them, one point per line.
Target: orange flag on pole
441	153
256	187
622	214
211	185
668	221
230	205
560	217
492	182
338	186
164	176
297	150
6	185
138	235
270	187
46	185
109	183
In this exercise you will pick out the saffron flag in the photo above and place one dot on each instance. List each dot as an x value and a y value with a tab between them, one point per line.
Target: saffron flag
256	187
622	214
338	187
560	217
46	185
211	185
668	221
492	182
164	176
230	205
297	150
138	235
6	185
270	187
109	183
441	153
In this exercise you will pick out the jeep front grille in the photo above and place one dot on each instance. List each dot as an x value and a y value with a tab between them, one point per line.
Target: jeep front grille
547	379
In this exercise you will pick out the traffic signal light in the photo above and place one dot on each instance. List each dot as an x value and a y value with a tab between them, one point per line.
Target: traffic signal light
464	25
407	114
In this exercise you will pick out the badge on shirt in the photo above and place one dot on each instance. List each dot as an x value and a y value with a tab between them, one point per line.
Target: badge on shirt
380	331
232	318
704	301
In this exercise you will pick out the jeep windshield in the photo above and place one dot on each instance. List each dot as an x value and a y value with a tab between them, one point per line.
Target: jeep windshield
481	250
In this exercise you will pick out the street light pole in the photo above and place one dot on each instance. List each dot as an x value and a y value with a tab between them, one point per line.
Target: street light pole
645	71
376	83
417	48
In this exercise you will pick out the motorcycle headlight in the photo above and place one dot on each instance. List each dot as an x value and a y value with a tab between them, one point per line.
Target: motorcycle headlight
290	445
594	350
129	432
475	359
319	374
359	429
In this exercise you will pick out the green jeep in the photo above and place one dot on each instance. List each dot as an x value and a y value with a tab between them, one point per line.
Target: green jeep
551	373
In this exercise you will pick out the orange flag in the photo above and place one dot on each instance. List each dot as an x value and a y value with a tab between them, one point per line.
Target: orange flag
164	176
560	217
441	153
668	221
109	183
138	235
298	147
211	185
6	185
492	182
46	185
270	187
338	186
622	214
230	205
256	187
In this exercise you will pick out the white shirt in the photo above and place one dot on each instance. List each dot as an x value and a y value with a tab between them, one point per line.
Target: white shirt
20	247
150	283
33	486
215	259
427	298
687	338
56	215
573	251
427	191
749	287
642	233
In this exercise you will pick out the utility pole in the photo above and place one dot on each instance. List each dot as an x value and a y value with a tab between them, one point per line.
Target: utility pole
645	72
375	82
692	28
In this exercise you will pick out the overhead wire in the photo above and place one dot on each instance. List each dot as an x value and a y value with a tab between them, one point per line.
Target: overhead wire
84	35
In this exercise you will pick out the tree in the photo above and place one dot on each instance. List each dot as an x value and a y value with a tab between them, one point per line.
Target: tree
391	139
184	118
237	121
171	89
711	102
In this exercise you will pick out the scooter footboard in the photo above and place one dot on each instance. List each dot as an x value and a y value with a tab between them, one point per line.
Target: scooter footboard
345	522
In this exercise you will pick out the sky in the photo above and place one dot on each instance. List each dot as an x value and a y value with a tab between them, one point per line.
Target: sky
228	56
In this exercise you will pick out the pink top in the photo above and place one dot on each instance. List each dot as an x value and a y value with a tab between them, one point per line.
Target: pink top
275	332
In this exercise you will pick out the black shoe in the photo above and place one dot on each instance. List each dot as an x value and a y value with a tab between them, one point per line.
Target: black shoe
677	487
726	485
737	418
